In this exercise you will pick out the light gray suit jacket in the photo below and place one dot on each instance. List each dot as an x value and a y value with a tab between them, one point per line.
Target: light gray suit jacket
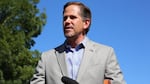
99	61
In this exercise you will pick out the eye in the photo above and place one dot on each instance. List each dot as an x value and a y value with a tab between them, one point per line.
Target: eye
69	17
73	17
65	18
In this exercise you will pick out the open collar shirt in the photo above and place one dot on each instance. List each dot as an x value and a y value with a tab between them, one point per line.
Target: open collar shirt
74	57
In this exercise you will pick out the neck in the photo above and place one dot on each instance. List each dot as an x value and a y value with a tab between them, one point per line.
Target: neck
73	42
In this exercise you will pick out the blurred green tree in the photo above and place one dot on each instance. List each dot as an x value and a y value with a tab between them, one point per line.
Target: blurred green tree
20	22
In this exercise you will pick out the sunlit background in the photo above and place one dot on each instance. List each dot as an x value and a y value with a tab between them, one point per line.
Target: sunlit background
122	24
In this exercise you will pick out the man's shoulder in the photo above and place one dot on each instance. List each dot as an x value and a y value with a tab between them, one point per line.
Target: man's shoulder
53	50
99	45
48	52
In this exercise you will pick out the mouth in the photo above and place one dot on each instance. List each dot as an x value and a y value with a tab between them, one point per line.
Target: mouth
68	28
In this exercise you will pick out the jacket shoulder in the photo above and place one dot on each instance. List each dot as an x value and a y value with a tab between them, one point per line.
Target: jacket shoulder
99	45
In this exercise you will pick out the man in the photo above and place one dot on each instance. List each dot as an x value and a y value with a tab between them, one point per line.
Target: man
78	58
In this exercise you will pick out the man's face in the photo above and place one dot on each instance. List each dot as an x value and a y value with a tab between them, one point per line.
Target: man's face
73	23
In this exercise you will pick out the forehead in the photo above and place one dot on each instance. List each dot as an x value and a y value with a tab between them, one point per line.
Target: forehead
72	9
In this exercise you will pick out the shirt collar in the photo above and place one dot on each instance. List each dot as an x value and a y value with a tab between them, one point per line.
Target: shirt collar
78	47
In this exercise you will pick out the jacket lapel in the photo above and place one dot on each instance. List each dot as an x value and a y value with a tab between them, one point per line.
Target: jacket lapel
60	54
85	61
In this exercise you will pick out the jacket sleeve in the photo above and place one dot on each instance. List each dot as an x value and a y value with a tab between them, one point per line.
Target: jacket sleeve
113	71
39	75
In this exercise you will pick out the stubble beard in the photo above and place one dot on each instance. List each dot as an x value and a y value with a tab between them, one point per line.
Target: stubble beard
69	35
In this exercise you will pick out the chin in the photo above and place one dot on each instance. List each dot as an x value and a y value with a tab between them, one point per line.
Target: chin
69	35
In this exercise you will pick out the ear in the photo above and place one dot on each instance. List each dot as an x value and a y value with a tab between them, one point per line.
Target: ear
87	23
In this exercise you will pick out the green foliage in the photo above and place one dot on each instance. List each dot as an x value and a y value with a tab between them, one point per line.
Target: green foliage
20	22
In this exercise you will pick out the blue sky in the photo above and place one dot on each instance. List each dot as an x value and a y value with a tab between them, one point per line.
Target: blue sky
122	24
